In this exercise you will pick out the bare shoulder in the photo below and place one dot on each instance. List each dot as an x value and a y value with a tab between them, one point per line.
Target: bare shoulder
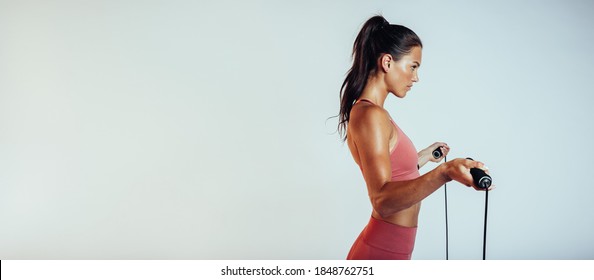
366	119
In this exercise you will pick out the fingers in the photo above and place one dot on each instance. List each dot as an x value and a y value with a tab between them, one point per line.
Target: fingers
461	172
445	149
474	164
479	165
482	166
441	144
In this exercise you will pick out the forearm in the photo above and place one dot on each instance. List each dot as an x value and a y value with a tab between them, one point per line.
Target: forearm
396	196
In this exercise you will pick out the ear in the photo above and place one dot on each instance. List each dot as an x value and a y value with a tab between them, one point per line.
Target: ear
386	62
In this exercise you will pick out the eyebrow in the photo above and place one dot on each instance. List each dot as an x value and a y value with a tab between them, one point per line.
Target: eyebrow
418	64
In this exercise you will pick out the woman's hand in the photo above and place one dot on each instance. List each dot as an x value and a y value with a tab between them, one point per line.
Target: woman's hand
445	149
426	154
459	170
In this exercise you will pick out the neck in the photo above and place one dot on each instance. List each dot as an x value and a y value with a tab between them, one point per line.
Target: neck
375	91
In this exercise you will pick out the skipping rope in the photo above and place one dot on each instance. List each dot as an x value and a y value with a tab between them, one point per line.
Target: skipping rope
483	181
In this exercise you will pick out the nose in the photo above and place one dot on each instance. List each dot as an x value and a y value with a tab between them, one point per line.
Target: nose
415	77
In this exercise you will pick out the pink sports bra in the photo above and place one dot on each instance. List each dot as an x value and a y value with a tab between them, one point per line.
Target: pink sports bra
403	157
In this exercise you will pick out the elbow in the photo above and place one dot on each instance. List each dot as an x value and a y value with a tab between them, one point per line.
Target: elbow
383	207
386	207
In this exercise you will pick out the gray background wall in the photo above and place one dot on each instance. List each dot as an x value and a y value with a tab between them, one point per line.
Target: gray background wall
198	130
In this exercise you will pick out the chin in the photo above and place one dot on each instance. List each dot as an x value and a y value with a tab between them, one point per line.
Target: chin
400	95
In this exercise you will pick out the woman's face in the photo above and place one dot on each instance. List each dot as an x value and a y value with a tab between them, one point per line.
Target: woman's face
403	73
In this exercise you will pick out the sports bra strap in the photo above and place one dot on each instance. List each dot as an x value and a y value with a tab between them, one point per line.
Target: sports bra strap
367	100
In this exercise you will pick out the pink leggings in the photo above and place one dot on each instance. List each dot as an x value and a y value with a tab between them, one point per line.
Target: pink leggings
381	240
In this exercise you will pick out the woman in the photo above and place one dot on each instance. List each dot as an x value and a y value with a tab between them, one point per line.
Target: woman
386	59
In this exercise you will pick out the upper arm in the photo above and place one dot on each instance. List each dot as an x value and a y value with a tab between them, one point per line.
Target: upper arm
370	129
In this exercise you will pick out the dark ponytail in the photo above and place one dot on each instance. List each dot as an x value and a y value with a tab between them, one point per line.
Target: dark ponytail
377	37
